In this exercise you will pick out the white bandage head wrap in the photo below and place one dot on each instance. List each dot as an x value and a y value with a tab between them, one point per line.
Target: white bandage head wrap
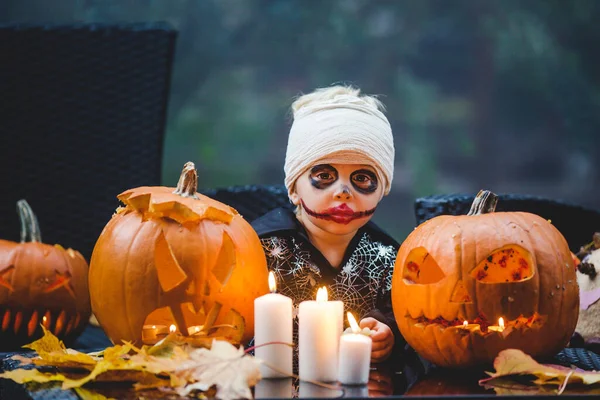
338	126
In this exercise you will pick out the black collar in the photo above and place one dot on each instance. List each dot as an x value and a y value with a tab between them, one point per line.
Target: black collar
283	222
278	220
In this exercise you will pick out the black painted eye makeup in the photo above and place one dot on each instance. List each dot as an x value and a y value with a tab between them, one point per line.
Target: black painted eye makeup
364	180
322	175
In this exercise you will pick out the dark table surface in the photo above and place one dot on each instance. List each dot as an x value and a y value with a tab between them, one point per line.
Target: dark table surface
408	377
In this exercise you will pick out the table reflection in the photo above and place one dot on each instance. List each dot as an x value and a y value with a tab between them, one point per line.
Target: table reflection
381	383
449	382
281	388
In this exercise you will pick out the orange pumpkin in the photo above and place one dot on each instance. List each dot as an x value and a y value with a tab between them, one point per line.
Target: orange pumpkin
40	284
474	270
172	256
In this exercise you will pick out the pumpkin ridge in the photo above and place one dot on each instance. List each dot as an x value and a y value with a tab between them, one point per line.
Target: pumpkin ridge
136	235
459	259
562	270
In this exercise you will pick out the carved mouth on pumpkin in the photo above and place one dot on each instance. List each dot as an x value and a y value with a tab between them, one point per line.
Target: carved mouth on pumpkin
520	322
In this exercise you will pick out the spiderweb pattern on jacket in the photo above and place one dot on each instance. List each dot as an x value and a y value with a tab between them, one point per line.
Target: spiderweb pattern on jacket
363	278
366	275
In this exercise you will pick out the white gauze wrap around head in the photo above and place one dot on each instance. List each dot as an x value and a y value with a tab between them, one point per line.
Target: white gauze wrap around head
338	126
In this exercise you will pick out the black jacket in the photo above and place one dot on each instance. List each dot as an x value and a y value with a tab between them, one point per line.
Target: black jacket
363	281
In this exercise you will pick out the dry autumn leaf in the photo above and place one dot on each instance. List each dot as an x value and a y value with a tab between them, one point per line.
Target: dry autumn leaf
172	365
224	366
516	372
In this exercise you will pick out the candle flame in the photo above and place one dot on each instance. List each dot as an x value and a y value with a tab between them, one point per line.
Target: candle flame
153	326
465	324
44	319
172	328
501	323
322	295
353	324
272	284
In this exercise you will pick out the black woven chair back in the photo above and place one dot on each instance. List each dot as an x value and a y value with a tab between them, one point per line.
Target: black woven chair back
577	224
251	201
82	118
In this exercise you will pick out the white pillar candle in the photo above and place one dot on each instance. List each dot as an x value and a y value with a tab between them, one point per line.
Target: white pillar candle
273	323
338	306
318	338
355	356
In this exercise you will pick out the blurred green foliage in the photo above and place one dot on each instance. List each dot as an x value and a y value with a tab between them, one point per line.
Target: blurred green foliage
501	94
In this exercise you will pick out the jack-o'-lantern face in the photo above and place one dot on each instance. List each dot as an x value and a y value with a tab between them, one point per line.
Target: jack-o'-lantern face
40	284
476	269
176	257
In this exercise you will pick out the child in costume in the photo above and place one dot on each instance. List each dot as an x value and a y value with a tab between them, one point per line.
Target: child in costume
339	164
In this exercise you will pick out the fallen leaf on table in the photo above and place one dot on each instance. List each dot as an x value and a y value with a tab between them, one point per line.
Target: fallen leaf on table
171	366
85	394
225	366
32	375
514	369
47	344
512	386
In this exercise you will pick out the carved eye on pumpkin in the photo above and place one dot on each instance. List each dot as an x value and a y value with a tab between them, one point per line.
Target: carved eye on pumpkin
511	263
5	276
421	268
61	281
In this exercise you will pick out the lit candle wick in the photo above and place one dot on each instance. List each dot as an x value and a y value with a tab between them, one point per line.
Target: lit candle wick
501	323
172	328
272	283
353	324
465	324
322	295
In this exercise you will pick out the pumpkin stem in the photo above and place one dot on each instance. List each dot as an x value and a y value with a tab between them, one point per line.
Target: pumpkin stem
485	202
29	223
188	181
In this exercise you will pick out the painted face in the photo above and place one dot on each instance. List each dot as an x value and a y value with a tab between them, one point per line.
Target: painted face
337	198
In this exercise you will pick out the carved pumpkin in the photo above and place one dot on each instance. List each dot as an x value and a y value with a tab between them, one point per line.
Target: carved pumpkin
40	284
476	269
172	256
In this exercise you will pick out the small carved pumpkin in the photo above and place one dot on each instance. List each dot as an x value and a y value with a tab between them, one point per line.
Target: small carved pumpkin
476	269
172	256
40	284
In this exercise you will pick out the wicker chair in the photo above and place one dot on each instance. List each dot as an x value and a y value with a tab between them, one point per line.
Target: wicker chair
83	112
577	224
251	201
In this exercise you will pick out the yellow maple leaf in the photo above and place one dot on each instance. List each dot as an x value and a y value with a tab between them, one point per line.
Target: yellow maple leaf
171	365
47	344
85	394
31	375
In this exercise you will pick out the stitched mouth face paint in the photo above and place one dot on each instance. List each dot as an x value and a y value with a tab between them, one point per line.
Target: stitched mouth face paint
341	214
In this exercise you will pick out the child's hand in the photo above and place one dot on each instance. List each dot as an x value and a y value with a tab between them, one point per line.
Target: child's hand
383	339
